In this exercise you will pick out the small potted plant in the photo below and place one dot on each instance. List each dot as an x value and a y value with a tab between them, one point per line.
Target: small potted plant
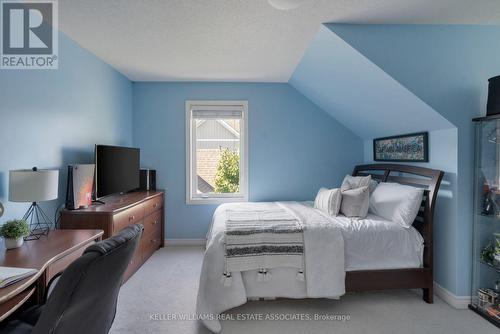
13	232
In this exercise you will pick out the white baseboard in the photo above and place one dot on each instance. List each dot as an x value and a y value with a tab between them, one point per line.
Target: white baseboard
185	242
458	302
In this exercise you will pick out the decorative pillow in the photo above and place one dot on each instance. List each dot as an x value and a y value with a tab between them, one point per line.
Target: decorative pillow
355	202
328	201
396	202
353	182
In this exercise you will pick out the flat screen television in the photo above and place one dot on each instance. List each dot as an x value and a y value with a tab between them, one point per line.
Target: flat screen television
116	170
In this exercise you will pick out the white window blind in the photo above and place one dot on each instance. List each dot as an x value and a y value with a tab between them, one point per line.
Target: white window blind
216	112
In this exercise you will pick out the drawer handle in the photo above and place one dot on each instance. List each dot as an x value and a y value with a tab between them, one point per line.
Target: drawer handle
131	218
155	205
154	241
155	222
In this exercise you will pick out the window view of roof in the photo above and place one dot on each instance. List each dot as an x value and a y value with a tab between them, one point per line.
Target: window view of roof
213	137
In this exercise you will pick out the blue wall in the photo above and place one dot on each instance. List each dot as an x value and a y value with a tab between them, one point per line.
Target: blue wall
294	147
447	67
51	118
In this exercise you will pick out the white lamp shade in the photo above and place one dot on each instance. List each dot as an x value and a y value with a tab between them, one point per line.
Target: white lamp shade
26	185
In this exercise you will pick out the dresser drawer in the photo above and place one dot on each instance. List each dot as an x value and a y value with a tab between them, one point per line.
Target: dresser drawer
153	204
152	224
150	243
134	264
127	217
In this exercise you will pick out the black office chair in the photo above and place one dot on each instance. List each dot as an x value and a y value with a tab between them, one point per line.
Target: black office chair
84	299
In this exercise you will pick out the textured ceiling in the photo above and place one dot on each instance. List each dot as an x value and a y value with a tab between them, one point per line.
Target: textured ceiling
234	40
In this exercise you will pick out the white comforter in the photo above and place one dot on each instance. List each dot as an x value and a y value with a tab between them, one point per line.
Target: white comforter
324	266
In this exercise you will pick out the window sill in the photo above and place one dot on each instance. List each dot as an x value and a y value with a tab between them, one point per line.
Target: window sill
215	200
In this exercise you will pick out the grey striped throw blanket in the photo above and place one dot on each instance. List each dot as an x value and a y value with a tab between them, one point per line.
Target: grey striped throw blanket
261	240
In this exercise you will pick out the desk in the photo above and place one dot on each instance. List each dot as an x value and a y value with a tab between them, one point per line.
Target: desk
50	254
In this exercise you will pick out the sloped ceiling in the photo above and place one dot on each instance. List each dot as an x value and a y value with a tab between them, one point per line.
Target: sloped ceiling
447	66
358	93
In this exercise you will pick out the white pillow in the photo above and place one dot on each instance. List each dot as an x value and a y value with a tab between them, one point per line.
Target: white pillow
355	202
396	202
328	201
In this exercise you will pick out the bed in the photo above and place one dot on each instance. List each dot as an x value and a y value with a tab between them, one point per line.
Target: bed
340	254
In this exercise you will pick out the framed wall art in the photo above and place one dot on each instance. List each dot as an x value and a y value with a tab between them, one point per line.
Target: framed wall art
413	147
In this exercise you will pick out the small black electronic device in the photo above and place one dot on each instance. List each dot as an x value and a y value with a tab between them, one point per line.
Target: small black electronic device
147	179
493	106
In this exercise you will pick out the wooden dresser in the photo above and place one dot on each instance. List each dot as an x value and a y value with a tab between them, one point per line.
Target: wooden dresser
119	211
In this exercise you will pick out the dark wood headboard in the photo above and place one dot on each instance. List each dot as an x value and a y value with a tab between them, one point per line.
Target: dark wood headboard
429	179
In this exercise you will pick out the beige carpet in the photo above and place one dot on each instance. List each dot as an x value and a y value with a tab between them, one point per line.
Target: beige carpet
167	284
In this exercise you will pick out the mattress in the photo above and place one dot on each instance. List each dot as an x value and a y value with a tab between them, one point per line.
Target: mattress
377	243
369	244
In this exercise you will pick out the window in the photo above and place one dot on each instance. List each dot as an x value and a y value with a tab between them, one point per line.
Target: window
216	152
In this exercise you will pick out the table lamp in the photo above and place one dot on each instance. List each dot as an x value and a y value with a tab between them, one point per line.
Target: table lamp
34	185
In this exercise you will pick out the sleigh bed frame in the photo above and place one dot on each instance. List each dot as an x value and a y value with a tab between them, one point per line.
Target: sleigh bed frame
412	278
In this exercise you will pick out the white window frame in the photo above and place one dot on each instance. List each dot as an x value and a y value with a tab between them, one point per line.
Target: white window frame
192	197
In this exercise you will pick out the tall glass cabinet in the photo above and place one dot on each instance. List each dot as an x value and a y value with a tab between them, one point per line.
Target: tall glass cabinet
486	242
